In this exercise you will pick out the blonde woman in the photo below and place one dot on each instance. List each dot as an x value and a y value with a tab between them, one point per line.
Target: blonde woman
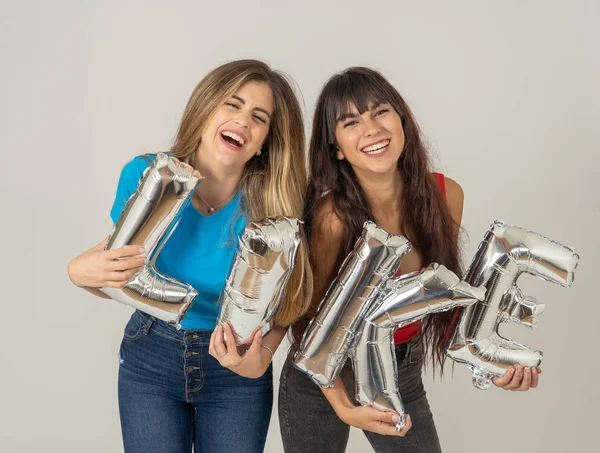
242	130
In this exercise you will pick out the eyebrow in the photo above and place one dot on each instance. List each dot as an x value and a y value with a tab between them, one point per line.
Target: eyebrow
348	115
266	112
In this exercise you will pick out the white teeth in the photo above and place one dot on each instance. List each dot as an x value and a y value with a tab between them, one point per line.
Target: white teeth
376	147
236	137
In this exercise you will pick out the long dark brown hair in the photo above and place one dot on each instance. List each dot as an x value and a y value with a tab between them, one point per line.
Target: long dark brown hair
425	217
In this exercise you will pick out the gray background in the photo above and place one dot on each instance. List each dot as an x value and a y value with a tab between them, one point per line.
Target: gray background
508	96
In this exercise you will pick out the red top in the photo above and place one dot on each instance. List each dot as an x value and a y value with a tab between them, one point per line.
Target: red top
410	331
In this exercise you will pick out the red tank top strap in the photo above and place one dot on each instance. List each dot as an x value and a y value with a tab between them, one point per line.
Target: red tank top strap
410	331
441	180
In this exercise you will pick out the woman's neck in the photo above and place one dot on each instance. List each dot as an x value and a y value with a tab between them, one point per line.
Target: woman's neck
220	182
383	192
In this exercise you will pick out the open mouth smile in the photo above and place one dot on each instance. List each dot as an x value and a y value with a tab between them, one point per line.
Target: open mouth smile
377	148
234	140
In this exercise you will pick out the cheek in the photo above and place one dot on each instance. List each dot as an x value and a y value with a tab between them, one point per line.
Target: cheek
259	135
347	142
219	118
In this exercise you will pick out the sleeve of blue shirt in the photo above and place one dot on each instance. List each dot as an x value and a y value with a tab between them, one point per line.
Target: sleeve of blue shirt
128	183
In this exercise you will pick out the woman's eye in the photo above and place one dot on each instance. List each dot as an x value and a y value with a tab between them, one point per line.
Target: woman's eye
381	112
350	123
260	118
232	104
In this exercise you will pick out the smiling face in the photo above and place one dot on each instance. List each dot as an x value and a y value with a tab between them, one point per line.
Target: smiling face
239	127
372	141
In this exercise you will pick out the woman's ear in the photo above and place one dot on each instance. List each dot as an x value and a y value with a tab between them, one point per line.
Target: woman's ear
339	154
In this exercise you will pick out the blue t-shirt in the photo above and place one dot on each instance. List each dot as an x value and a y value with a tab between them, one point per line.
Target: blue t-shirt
199	252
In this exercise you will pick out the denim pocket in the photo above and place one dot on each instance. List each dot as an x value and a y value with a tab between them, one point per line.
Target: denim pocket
137	326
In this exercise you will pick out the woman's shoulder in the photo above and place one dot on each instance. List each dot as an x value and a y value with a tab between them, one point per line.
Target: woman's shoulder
135	168
454	198
454	192
139	163
449	187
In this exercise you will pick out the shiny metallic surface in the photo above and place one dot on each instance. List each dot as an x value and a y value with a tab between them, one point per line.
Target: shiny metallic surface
256	283
334	332
405	300
505	253
150	216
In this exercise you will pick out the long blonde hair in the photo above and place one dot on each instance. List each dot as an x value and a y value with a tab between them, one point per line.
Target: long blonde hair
272	184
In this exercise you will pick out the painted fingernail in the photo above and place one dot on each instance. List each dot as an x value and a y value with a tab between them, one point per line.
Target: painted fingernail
527	370
396	419
142	250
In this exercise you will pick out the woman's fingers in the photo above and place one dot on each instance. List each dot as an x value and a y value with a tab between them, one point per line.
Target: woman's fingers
127	263
256	344
219	346
516	380
211	343
526	382
519	378
231	344
386	429
122	252
534	377
504	380
406	427
385	421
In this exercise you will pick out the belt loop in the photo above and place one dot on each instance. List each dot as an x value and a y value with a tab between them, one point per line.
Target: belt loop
148	324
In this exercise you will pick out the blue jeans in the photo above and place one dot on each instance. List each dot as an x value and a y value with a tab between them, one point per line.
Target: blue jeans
309	424
173	395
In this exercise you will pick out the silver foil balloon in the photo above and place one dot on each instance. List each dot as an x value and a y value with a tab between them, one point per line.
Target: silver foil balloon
505	253
403	301
333	333
256	283
150	216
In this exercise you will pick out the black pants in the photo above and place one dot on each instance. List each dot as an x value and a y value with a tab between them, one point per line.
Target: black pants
309	424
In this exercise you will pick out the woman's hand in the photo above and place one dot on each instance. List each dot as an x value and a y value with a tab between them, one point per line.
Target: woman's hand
371	419
252	364
363	417
518	378
97	267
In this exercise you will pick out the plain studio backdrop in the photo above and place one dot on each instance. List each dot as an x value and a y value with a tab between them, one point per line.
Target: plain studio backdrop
507	94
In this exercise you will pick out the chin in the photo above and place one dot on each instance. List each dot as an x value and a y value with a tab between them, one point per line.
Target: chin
381	167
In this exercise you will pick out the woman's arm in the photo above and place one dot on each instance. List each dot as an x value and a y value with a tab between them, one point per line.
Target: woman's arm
97	267
325	245
455	199
363	417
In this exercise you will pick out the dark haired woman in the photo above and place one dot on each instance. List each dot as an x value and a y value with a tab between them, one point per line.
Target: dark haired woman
367	161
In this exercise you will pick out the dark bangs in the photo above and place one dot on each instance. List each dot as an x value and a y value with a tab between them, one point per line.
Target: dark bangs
359	88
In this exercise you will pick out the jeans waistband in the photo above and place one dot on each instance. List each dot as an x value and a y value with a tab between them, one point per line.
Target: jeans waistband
165	329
